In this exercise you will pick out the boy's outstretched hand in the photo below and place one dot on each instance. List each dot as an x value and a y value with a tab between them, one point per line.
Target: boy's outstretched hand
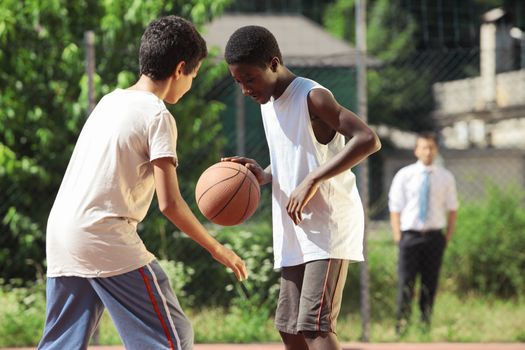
231	260
263	176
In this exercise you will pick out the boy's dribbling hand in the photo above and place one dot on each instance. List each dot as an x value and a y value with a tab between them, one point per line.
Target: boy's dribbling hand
231	260
252	165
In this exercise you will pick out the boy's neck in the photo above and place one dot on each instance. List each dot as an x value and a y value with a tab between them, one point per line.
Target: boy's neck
285	79
159	88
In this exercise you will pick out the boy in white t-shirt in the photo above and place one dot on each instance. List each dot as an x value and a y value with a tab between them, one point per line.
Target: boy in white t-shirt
125	152
317	213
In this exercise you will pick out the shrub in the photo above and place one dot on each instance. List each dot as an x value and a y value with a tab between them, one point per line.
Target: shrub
208	283
22	313
487	253
382	260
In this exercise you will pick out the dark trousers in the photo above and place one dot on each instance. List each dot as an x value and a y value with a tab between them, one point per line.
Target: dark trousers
419	254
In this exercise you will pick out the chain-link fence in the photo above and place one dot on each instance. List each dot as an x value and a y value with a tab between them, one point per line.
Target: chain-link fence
472	97
445	90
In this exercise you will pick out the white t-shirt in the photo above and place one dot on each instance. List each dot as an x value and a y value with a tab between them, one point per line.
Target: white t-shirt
333	220
405	191
108	187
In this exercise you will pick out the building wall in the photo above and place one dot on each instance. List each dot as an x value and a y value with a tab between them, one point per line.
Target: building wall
473	169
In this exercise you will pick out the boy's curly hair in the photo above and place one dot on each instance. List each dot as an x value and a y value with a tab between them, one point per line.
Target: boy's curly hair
252	45
168	41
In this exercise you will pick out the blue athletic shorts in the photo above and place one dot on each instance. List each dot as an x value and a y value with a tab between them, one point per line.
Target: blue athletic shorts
141	303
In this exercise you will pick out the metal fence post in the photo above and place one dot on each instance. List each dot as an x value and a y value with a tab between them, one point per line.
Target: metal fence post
89	38
89	42
360	16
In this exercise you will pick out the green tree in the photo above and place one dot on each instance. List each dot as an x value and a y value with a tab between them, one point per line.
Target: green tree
399	94
43	104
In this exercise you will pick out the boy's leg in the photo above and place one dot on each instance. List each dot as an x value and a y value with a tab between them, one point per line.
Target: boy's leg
73	311
145	310
288	307
320	303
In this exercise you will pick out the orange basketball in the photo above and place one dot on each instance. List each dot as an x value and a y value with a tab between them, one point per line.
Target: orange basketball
227	193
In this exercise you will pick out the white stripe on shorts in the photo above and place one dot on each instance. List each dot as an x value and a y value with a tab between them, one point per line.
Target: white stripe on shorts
165	304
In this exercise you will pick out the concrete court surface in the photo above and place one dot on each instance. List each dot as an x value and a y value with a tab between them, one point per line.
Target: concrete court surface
346	346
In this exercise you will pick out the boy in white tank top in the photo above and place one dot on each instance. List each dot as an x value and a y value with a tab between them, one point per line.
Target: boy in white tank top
317	214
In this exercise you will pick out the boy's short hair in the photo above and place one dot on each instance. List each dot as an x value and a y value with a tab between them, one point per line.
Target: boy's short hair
165	43
252	45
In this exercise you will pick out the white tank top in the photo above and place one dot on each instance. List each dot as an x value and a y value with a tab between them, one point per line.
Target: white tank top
333	220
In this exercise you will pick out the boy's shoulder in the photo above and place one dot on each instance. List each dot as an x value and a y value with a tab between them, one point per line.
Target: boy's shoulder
134	98
307	81
305	85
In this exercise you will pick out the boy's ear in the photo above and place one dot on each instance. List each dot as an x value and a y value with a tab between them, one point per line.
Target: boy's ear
274	63
179	70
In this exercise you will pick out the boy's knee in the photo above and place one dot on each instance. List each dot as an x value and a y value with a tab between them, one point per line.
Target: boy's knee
315	334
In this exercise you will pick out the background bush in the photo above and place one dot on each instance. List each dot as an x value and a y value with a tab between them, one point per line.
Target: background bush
488	250
487	260
22	313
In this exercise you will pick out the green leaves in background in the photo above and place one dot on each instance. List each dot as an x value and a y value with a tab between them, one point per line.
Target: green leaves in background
43	103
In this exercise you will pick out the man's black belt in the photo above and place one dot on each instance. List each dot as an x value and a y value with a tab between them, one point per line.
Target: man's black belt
424	232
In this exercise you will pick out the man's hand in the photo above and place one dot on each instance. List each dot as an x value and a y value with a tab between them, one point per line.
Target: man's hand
395	224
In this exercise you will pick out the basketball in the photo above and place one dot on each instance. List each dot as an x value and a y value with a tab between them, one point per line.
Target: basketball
227	193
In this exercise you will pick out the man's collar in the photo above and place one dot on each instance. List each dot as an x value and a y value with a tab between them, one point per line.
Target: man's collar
422	166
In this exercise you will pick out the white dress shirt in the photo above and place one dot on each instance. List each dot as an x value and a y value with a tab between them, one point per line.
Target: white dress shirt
405	191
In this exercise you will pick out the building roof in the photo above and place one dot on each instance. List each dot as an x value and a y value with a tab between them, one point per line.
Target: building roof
302	41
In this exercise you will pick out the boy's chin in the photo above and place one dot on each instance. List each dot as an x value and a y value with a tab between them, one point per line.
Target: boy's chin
172	100
261	100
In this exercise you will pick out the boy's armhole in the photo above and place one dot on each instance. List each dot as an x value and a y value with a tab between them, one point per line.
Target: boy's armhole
166	155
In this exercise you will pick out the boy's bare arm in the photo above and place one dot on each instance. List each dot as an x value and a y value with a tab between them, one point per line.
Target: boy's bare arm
175	208
362	141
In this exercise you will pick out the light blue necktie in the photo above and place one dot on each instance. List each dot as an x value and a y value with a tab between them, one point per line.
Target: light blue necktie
423	196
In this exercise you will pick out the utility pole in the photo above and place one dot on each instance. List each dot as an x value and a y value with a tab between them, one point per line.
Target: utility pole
89	39
240	125
89	42
362	104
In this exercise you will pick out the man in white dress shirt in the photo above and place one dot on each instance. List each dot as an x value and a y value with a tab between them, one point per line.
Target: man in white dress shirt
423	210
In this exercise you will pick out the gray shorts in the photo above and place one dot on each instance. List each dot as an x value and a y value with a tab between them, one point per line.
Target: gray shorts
310	296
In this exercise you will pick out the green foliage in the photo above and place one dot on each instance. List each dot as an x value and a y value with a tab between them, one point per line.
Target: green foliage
382	260
487	253
223	310
254	244
44	103
179	275
398	91
22	314
235	325
214	285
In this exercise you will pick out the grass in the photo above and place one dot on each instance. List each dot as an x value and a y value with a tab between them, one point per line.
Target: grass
467	319
472	318
456	319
